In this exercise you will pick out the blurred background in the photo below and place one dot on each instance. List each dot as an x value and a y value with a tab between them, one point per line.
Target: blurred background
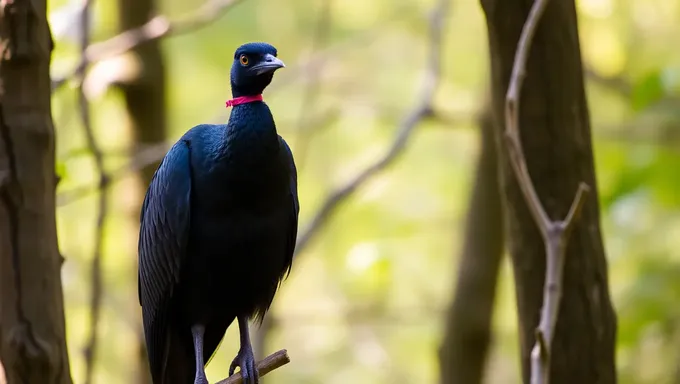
374	273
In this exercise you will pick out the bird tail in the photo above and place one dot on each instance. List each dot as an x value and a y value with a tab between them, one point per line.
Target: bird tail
180	364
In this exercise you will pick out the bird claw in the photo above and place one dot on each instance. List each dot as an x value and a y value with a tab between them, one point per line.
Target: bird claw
245	359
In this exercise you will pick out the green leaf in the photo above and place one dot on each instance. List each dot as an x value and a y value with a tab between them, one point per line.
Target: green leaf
61	170
648	90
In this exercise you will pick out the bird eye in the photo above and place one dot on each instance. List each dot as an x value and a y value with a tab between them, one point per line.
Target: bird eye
244	60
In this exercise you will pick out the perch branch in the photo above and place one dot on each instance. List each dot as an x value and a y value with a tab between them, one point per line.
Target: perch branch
555	233
422	110
156	28
96	268
275	360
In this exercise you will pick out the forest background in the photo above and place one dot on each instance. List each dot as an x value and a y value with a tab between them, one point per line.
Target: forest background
386	174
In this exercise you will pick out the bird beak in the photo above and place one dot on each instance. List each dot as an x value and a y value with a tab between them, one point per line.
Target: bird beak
268	64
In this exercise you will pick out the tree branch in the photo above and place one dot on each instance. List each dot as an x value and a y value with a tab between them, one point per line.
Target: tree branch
96	268
156	28
140	160
275	360
421	111
555	233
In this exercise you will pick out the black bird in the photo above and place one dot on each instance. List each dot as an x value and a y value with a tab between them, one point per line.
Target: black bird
218	229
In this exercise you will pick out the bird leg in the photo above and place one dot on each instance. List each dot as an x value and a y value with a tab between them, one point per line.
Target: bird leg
245	359
197	331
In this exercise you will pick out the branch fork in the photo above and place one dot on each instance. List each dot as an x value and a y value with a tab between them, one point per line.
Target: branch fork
555	233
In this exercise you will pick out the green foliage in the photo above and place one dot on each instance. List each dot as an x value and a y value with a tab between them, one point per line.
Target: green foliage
648	90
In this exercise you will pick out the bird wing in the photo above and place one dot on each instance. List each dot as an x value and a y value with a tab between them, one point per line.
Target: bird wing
163	237
295	203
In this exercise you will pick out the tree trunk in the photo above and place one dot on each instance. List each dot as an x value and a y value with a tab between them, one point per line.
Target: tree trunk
555	134
145	95
145	102
462	355
32	326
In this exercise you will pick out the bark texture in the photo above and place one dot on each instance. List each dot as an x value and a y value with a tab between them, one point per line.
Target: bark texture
555	134
462	355
32	326
145	103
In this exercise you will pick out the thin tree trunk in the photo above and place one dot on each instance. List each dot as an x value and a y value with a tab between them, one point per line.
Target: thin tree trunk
145	102
462	355
32	326
556	138
145	95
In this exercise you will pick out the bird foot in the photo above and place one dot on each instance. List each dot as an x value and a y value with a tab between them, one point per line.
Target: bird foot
245	359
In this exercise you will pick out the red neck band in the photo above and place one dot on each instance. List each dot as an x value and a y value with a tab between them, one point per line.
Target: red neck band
242	100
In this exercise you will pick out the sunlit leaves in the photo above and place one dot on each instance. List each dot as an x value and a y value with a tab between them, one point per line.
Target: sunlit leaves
648	90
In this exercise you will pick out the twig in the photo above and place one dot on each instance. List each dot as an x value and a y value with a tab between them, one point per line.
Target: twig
555	233
421	111
275	360
142	159
154	29
96	269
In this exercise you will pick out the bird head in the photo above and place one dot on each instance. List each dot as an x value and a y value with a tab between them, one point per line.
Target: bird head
253	68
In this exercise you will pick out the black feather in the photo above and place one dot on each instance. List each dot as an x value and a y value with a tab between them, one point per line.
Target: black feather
163	240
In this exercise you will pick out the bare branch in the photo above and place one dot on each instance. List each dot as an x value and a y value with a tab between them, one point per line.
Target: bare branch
96	268
512	116
421	111
555	233
275	360
575	209
156	28
141	160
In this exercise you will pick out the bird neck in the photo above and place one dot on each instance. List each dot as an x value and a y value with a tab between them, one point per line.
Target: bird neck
251	126
250	139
